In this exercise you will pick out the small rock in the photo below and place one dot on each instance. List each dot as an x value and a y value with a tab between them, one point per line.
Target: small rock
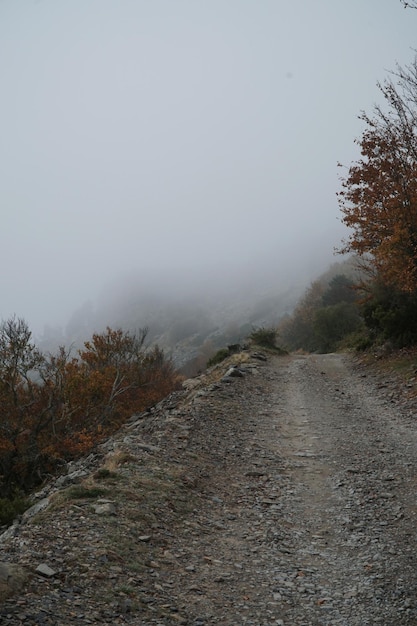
147	447
36	508
106	508
45	570
234	372
73	477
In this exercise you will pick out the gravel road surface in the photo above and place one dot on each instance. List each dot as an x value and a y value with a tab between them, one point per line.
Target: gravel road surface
292	502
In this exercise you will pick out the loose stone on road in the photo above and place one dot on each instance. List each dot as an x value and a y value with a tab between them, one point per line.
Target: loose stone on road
294	505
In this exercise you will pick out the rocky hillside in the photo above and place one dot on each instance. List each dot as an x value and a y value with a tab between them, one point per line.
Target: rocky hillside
98	531
189	321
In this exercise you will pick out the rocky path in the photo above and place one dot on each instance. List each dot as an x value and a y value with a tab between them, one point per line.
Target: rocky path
349	501
284	496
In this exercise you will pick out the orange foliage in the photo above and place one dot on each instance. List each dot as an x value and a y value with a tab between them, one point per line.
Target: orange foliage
379	202
75	403
379	195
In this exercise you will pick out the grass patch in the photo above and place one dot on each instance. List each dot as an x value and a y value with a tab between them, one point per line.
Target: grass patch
107	475
137	567
400	364
118	458
81	492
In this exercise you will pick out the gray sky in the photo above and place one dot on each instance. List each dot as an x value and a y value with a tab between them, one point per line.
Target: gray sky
178	135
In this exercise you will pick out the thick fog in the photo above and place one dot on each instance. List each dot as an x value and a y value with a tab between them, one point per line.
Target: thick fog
184	142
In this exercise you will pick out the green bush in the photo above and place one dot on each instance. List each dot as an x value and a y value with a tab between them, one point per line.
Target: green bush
391	315
264	337
334	323
217	358
11	508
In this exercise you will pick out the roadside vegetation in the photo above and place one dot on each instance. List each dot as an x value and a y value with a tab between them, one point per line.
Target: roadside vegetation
328	317
56	407
378	201
266	338
377	308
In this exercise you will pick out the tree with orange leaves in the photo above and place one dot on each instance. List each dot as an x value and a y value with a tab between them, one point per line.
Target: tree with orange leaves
54	408
378	199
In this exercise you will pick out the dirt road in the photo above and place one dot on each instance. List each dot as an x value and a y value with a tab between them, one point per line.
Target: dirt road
350	499
318	516
286	497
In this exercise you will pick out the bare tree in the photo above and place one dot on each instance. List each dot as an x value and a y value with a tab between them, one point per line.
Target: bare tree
409	4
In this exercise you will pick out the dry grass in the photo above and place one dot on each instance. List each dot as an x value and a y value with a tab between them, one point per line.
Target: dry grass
115	459
215	373
401	363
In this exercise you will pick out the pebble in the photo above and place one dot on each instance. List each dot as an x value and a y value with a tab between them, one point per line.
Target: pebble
45	570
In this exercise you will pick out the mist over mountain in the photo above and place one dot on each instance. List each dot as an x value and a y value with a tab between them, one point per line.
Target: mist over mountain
187	313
